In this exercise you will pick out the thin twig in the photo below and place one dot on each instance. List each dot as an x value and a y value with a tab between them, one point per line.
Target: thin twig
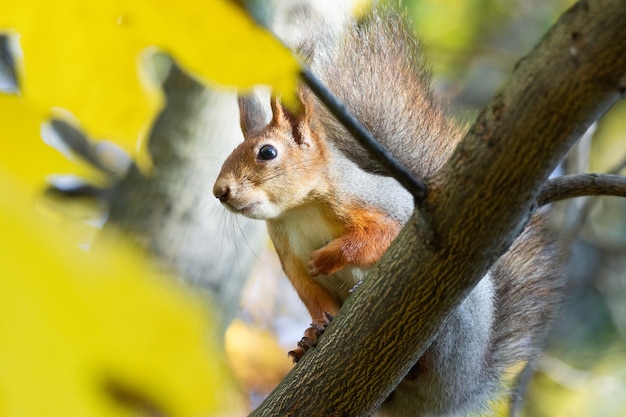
378	152
581	185
587	206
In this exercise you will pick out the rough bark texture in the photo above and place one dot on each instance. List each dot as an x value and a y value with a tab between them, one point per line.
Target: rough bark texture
172	211
571	186
475	207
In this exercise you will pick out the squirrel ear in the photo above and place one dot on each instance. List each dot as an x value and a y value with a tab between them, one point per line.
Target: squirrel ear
295	123
254	114
307	99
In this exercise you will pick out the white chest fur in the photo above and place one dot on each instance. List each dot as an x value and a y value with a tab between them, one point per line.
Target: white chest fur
307	229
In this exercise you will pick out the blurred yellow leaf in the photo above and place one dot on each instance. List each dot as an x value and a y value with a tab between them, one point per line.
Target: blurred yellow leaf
97	333
257	360
87	57
22	151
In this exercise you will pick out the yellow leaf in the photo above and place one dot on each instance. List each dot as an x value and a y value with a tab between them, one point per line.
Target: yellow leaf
97	333
257	360
22	151
87	57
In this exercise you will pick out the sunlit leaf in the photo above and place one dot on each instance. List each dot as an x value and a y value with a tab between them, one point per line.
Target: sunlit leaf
257	360
23	153
97	333
88	57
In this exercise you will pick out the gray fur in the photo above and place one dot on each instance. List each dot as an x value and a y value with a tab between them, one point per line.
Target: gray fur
376	69
375	190
454	376
503	323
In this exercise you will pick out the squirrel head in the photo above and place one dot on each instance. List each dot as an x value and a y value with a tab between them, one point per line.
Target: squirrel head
279	164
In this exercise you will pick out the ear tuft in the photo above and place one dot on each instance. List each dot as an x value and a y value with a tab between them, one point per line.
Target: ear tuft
280	118
307	103
296	123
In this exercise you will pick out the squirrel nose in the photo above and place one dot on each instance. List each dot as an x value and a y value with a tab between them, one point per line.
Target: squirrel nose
221	191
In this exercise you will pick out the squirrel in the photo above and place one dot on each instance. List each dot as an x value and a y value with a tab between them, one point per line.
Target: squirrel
331	211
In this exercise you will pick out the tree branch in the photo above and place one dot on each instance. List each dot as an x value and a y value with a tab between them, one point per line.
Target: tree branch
581	185
376	151
474	208
582	213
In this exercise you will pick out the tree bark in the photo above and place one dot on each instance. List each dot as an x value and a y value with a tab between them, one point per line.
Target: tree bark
474	208
172	212
582	185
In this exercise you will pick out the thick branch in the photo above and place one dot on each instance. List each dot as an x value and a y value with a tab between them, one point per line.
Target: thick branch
581	185
475	207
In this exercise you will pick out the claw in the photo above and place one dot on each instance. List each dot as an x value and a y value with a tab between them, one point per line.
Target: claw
311	335
319	328
306	343
296	354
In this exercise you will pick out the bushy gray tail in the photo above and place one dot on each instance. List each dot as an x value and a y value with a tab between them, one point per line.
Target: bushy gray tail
529	282
376	68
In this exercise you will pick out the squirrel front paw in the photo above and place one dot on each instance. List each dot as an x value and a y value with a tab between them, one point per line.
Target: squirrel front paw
311	335
327	260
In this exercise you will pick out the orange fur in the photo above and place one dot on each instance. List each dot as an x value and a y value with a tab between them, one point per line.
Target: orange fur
317	299
364	236
368	234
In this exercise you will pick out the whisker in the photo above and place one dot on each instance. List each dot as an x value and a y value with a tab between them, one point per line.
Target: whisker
207	158
245	239
231	233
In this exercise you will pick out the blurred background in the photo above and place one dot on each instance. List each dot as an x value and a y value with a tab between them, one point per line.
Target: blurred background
472	46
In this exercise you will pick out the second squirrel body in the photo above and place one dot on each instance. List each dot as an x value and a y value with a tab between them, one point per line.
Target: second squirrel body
332	213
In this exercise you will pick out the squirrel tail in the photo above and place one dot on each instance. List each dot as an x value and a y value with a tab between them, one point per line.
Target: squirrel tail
528	281
377	69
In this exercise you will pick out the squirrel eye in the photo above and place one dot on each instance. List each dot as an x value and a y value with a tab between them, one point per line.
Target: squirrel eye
267	152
